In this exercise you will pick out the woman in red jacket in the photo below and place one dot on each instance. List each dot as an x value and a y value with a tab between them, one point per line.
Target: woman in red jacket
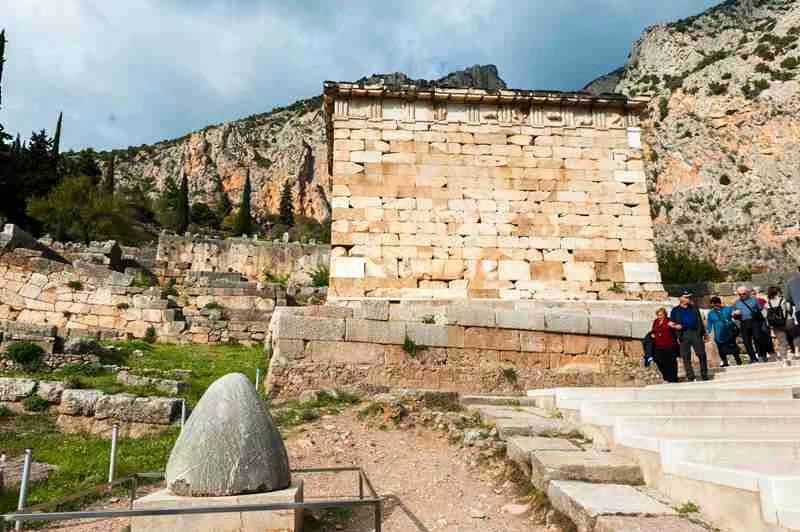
665	346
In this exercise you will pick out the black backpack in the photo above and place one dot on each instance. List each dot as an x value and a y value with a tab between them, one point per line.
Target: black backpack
776	316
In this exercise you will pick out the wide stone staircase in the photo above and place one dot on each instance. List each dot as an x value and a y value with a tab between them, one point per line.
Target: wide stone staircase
629	459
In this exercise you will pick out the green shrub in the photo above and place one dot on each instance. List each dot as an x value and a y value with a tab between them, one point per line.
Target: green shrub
724	180
410	347
143	279
727	75
73	382
679	266
710	59
717	89
510	375
34	403
320	276
276	278
5	412
752	91
663	108
169	290
123	306
213	305
75	285
150	335
764	51
27	354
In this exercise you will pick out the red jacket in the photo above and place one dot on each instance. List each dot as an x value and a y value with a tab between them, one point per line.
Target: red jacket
663	336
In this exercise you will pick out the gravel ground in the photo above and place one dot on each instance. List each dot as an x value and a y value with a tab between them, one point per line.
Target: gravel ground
426	483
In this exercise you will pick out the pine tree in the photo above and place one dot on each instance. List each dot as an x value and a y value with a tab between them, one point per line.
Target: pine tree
182	208
244	221
57	136
286	209
108	181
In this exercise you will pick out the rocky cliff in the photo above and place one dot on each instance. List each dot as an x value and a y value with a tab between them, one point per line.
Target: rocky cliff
285	144
723	130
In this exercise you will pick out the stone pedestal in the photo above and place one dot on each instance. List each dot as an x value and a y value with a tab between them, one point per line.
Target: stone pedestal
267	521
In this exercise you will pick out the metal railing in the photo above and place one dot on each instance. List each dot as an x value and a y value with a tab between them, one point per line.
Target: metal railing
33	513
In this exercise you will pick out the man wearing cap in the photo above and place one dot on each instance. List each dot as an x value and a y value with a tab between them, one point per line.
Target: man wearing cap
688	321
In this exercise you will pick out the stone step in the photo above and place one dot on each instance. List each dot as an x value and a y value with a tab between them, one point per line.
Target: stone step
498	400
491	413
776	481
748	367
587	466
572	399
585	503
618	523
706	425
533	426
756	375
603	412
708	448
519	448
775	381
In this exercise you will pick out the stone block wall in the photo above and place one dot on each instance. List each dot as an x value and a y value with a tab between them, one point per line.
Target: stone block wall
179	255
456	193
467	347
93	411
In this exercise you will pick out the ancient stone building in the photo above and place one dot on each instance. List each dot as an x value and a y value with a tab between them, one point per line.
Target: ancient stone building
465	193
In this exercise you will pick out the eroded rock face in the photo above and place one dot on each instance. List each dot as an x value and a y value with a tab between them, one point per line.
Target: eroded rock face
229	445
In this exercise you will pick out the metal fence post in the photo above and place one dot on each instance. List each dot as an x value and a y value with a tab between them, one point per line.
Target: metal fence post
112	463
258	377
183	413
23	485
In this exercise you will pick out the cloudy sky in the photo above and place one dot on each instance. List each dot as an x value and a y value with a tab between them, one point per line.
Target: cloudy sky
127	72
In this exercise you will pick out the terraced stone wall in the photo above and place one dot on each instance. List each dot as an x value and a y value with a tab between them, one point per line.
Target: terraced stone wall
467	347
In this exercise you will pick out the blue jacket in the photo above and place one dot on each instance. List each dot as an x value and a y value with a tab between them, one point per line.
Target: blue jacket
747	308
721	324
688	317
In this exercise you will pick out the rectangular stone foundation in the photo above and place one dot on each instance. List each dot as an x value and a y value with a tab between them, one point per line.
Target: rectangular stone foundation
268	521
498	347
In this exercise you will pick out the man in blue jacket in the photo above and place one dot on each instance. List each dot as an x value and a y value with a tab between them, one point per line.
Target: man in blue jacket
720	322
688	322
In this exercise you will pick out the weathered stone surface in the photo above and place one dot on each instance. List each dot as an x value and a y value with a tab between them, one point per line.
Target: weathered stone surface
487	338
50	391
615	326
82	346
372	309
270	521
470	315
229	445
586	466
117	406
617	523
566	322
584	502
531	320
519	448
155	410
308	328
379	332
15	389
435	335
79	402
169	386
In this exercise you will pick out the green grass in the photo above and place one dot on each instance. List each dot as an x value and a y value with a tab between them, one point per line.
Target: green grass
293	413
81	460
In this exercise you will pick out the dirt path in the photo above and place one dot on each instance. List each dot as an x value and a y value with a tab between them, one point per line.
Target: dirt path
426	483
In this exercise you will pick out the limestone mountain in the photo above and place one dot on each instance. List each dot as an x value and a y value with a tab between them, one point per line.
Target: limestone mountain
722	130
284	145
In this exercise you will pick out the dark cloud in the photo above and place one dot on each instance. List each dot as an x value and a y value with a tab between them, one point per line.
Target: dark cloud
127	73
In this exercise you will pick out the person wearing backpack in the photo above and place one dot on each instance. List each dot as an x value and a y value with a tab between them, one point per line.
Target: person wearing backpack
753	325
687	320
720	322
780	319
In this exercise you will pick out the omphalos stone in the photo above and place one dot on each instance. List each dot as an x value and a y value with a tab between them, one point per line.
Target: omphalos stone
229	445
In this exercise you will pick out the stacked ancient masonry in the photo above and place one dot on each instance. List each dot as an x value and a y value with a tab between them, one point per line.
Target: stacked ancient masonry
455	193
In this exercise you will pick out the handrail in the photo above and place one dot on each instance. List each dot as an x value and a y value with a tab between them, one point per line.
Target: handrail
373	500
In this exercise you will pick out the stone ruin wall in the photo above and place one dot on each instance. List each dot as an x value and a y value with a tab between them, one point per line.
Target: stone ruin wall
178	256
456	193
50	290
486	347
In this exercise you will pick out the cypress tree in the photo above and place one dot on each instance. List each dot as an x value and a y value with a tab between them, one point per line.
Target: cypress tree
244	221
2	60
286	209
57	136
182	208
108	182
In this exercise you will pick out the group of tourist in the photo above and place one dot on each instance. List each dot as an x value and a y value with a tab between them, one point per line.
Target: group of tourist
761	322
